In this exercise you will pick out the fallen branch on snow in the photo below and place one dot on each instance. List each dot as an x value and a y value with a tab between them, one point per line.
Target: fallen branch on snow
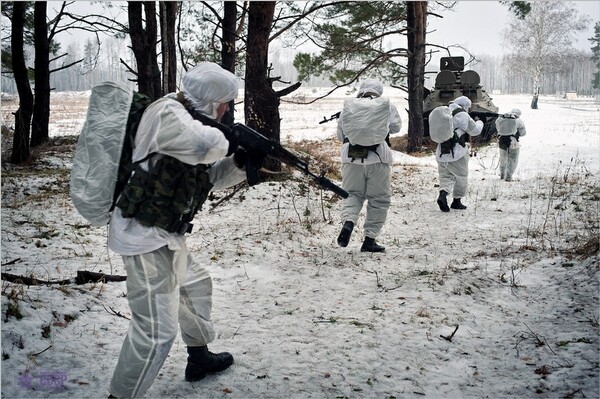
449	338
83	277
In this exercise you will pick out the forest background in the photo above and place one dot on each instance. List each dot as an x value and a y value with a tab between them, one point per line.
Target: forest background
342	42
100	55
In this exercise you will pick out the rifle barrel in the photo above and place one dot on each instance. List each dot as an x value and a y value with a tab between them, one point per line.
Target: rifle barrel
252	140
486	114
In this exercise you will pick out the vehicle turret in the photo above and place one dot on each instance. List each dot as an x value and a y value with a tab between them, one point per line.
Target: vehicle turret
452	82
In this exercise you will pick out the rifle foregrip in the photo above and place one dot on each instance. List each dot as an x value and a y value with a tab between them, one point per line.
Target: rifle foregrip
252	175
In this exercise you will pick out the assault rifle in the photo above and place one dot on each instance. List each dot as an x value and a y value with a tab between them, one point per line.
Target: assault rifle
254	142
473	114
332	117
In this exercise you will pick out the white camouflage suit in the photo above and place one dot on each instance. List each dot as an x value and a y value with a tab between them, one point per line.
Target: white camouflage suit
368	179
453	170
166	287
509	158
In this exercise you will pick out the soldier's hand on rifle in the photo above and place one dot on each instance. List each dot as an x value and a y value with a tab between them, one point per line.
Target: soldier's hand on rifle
256	158
233	145
240	157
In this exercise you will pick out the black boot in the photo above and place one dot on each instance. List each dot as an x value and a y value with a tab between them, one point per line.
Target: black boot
202	362
443	202
456	204
369	245
344	236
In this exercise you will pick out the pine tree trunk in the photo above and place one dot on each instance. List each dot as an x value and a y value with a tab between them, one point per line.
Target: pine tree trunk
143	44
168	16
416	24
261	103
228	51
41	107
20	151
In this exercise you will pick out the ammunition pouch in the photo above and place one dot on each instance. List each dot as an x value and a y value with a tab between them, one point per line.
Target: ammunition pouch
356	151
167	196
504	142
447	147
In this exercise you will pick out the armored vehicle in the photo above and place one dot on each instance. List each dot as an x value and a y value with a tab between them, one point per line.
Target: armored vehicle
452	82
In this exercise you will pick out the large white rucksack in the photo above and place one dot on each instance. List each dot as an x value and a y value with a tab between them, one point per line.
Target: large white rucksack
441	126
102	163
506	125
365	120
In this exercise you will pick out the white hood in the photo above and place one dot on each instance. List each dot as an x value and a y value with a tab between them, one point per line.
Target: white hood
464	102
207	85
372	86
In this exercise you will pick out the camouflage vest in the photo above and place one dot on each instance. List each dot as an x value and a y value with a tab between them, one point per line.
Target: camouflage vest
504	142
167	196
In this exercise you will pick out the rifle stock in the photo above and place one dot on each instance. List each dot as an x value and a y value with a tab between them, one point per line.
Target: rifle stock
254	142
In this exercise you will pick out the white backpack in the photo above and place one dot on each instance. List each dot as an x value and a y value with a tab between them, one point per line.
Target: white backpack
441	126
506	125
102	163
365	120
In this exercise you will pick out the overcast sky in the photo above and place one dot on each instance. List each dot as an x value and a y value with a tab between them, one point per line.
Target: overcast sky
478	25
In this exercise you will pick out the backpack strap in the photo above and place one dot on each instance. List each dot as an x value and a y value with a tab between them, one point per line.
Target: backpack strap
458	110
454	112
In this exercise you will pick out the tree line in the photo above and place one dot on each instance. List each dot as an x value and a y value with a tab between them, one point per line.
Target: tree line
161	40
101	63
577	75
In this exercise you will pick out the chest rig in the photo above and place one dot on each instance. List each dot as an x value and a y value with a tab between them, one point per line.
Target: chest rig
168	195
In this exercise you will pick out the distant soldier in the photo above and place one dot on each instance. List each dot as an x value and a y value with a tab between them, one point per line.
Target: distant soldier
364	125
510	128
453	159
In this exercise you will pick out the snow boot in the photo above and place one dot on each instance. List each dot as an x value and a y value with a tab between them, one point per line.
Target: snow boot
456	204
202	362
369	245
443	202
344	236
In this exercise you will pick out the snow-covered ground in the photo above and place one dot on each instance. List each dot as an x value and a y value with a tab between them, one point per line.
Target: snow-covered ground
498	301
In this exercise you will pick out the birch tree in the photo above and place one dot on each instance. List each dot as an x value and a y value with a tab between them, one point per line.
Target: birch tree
542	37
596	55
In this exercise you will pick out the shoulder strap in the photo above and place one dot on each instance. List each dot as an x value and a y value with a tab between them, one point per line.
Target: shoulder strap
458	110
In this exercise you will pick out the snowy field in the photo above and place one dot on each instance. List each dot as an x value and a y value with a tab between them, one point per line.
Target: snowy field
498	301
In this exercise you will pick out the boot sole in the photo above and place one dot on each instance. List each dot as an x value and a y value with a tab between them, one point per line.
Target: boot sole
372	250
